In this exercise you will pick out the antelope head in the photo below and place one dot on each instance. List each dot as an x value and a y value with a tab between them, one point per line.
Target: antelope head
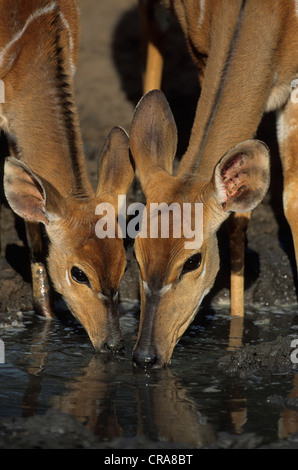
85	269
177	272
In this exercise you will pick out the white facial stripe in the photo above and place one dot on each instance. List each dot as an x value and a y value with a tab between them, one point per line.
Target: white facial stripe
102	296
67	278
160	292
296	7
146	287
17	36
204	295
203	272
164	289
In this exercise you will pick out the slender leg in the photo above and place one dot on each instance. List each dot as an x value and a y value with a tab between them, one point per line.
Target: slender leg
237	226
40	282
154	23
288	144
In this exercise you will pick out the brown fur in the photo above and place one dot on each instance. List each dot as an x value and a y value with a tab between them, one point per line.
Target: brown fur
245	52
47	182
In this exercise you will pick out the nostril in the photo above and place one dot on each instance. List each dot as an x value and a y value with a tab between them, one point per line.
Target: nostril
115	345
145	358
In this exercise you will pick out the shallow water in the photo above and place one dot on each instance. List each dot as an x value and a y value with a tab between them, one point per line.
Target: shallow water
51	365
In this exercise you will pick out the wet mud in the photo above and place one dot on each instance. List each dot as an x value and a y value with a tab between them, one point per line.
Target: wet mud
108	85
271	357
61	431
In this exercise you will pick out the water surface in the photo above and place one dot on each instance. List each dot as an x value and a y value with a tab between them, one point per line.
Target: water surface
51	365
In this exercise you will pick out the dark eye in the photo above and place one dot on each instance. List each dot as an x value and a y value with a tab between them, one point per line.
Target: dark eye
192	263
79	276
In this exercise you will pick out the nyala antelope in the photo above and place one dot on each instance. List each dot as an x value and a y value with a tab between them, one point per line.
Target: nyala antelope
45	178
246	56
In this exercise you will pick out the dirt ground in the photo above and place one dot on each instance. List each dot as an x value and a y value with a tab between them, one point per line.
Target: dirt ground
108	87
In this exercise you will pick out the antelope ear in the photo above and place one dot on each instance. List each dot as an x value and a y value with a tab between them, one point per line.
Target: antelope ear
115	169
241	178
28	195
153	136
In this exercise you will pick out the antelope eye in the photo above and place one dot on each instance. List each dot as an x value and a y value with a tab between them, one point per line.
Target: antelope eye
192	263
79	276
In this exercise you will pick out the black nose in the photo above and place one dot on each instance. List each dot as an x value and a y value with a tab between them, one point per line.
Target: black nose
115	345
145	357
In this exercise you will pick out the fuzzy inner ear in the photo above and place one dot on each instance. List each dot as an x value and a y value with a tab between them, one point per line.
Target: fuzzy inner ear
115	168
27	194
153	136
242	176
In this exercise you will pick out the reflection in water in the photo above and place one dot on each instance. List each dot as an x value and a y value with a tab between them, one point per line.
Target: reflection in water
236	404
171	406
91	398
236	333
188	403
234	410
288	423
163	408
38	361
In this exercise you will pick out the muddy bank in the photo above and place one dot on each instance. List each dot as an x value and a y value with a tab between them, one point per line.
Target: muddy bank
268	358
56	430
